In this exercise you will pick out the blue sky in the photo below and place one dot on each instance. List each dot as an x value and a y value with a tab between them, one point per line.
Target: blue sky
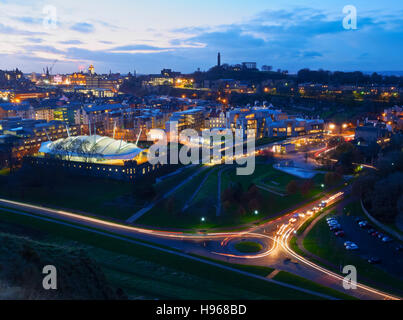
123	35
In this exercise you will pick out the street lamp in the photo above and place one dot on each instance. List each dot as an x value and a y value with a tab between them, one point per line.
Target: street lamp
256	212
203	219
322	185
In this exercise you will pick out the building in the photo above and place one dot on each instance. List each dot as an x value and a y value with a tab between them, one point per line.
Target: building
27	135
189	119
249	65
267	122
367	134
96	156
216	120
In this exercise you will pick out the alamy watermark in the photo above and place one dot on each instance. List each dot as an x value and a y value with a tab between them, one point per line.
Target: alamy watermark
350	280
213	147
350	19
50	19
49	282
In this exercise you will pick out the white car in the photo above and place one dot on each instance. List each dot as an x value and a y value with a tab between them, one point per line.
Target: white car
348	243
352	247
309	213
332	222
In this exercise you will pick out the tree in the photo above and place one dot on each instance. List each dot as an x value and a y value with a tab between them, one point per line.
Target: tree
306	186
170	205
332	178
292	187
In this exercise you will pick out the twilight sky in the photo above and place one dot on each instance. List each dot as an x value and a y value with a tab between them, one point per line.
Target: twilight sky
148	35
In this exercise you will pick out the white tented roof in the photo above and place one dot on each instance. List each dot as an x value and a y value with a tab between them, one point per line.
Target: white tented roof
94	146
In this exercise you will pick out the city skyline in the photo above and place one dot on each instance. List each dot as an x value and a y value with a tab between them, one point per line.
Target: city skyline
132	35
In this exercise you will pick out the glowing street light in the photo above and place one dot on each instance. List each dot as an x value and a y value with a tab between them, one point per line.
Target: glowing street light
256	212
203	219
332	126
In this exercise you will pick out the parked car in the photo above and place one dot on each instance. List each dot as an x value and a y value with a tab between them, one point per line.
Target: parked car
365	225
352	247
362	223
333	222
371	231
375	234
309	213
315	209
335	228
339	233
348	243
358	220
374	260
387	239
381	236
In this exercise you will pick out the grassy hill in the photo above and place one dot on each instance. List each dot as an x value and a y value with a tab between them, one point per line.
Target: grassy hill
22	261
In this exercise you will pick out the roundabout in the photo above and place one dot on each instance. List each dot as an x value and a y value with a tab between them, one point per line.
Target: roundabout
248	247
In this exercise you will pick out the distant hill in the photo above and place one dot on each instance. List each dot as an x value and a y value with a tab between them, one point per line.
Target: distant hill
21	264
392	73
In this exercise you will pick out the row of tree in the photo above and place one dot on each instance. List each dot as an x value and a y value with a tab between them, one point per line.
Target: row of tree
382	189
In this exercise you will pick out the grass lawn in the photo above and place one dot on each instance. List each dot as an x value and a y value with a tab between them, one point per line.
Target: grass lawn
320	242
310	285
248	247
168	213
106	198
149	273
205	203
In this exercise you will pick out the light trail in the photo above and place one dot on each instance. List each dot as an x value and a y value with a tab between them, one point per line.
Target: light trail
257	256
99	222
285	244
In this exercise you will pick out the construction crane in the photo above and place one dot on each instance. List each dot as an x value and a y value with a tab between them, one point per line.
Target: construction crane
47	70
51	68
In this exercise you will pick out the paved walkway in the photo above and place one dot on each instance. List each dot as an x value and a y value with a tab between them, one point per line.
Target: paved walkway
219	206
143	211
189	202
270	190
273	274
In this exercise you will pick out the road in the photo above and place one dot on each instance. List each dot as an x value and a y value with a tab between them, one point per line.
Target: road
274	235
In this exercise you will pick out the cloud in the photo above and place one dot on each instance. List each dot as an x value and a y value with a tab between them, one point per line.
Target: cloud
71	42
29	20
137	47
83	27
